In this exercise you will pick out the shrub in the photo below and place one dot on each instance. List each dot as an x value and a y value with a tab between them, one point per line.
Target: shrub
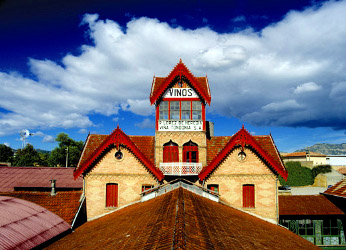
297	175
321	169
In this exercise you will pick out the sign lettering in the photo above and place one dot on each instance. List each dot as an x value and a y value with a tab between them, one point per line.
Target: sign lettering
180	93
180	125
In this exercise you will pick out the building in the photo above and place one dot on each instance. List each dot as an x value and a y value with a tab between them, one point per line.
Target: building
181	219
307	159
240	170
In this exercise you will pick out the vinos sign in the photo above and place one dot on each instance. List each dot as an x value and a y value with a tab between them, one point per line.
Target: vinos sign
180	93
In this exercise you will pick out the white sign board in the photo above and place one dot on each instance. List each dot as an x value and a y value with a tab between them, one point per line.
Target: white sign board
180	93
180	125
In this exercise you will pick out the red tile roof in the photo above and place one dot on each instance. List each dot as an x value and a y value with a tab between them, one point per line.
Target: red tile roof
339	189
25	225
181	220
161	84
65	204
11	177
218	147
307	205
141	146
303	154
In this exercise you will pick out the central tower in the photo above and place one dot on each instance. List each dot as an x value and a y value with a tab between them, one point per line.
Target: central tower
180	132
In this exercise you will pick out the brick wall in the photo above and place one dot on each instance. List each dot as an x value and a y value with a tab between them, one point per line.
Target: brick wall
128	173
232	174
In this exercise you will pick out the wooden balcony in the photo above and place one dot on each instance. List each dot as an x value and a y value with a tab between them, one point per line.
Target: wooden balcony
180	168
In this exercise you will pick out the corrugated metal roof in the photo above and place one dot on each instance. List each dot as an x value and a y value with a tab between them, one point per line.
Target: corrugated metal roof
24	225
11	177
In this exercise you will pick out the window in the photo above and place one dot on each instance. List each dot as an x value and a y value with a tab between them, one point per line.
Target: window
175	110
146	187
190	152
185	110
331	231
170	152
248	195
196	110
164	110
111	195
213	187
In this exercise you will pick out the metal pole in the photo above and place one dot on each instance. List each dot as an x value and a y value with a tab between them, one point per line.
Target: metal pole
66	156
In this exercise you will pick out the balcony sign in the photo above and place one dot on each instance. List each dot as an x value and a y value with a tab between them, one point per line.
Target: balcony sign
180	125
180	93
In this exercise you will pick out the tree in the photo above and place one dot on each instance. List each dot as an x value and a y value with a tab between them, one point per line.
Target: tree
58	155
6	153
297	175
27	157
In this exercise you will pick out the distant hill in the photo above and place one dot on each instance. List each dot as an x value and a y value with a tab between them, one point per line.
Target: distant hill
327	149
43	151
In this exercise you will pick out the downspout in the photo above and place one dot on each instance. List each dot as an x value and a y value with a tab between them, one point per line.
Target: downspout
277	200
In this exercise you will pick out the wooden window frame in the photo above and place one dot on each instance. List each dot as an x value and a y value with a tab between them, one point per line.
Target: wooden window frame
248	196
188	149
212	187
170	152
112	195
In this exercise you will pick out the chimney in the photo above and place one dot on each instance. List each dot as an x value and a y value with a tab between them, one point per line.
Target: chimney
53	193
210	129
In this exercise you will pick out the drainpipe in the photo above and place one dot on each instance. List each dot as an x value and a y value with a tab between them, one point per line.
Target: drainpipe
53	193
277	200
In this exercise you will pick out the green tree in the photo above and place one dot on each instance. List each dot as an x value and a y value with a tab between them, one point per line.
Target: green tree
6	153
27	157
297	175
58	155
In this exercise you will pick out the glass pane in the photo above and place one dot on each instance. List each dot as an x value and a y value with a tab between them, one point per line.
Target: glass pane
196	105
185	105
175	105
185	115
163	114
175	115
193	156
196	115
164	105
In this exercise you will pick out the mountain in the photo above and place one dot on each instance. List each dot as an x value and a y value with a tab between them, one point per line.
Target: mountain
43	151
327	149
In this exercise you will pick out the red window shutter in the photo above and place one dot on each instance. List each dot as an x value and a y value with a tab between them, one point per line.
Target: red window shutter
170	154
248	196
112	195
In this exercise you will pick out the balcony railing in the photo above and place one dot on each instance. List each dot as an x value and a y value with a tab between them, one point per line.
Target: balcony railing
180	168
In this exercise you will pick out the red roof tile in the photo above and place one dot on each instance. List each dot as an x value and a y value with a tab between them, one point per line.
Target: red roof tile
307	205
181	220
65	204
303	154
11	177
160	84
25	225
339	189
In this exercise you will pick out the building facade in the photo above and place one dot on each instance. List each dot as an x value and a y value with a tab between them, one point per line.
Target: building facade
242	169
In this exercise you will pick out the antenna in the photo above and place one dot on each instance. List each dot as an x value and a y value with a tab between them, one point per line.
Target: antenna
24	134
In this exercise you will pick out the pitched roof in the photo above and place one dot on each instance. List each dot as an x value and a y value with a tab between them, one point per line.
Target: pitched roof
303	154
339	189
25	225
307	205
161	84
181	219
65	204
11	177
141	146
218	147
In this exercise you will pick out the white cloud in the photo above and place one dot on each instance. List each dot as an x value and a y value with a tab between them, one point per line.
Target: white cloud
146	123
38	133
48	138
251	74
239	19
7	144
82	131
307	87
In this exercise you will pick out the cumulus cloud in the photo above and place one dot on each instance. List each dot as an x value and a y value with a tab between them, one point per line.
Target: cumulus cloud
146	123
253	75
82	131
48	138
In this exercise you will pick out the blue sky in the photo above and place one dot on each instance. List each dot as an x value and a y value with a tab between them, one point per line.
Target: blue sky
78	66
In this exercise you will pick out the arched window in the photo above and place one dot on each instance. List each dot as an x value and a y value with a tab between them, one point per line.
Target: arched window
190	152
170	152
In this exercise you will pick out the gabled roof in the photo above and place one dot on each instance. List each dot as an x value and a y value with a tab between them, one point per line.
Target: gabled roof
141	146
339	189
65	204
38	177
181	219
25	225
161	84
218	149
291	205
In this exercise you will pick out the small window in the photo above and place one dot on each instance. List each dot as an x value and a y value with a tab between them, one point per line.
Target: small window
213	187
196	110
111	195
185	110
164	110
249	195
118	155
175	110
146	187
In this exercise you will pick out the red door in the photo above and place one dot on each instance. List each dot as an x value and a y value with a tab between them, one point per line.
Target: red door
112	195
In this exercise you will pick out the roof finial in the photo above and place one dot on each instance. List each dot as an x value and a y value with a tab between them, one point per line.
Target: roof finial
242	126
118	126
180	61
